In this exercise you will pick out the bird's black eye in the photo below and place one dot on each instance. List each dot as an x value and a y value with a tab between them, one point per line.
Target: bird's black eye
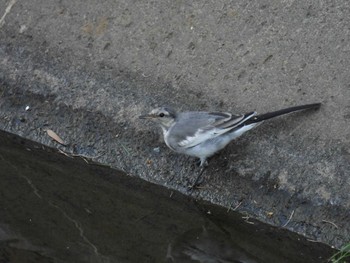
161	114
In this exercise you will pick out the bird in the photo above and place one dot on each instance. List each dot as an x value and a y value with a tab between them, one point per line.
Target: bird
201	134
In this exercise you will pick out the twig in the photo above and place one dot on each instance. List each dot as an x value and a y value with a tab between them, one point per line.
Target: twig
86	156
71	155
290	217
329	222
84	159
64	153
234	209
314	241
239	204
246	219
7	10
125	149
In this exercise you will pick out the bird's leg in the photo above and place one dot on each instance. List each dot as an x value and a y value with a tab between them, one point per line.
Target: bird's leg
199	180
202	162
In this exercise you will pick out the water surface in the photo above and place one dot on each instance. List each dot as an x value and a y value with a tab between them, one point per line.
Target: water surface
55	208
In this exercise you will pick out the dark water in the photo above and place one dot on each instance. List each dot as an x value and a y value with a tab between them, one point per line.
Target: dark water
54	208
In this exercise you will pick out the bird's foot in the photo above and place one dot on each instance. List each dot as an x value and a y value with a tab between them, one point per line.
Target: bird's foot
202	163
199	180
198	162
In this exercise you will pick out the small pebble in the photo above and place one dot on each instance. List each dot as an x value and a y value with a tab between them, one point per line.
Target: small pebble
156	150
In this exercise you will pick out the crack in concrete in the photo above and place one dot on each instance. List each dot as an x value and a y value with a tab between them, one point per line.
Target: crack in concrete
7	10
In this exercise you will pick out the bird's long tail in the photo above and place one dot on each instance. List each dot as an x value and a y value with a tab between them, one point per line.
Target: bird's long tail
269	115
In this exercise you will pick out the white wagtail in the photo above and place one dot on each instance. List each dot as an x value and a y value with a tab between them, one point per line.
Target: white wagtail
201	134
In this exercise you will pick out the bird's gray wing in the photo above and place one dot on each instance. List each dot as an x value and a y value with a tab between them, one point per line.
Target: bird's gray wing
194	128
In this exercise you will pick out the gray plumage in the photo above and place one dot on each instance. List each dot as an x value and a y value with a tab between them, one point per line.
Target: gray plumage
202	134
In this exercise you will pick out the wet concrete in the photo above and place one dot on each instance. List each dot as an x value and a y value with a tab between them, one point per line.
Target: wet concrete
58	208
87	70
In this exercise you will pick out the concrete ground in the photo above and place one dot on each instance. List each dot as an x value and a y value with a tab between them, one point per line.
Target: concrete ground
88	69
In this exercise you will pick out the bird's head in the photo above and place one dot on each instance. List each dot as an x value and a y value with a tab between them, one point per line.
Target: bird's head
164	116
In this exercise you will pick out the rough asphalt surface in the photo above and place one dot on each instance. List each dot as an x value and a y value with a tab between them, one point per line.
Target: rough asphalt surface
87	70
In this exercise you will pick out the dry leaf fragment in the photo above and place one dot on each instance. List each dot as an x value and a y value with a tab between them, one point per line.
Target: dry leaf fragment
55	137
